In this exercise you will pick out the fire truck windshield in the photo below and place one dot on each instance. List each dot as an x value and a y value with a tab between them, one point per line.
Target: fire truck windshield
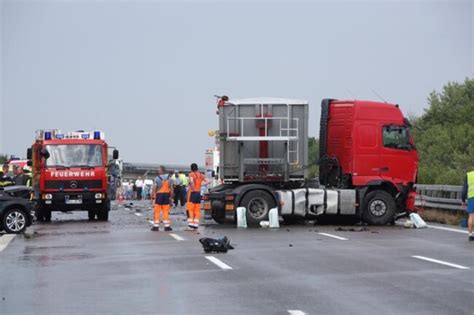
74	155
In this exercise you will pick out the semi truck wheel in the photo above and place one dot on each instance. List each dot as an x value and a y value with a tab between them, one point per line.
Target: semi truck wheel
379	208
258	203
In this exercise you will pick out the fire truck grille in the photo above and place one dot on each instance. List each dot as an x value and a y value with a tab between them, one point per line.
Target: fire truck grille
73	184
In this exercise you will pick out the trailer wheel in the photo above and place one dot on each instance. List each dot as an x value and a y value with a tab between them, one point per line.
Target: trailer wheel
379	208
258	204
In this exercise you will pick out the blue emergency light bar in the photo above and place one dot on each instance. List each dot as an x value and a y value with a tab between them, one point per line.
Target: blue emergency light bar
85	136
59	136
97	135
47	135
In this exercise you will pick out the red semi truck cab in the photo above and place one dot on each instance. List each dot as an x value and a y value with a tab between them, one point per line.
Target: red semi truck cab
70	173
367	145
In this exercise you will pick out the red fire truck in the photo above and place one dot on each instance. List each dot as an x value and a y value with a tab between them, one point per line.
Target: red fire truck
70	173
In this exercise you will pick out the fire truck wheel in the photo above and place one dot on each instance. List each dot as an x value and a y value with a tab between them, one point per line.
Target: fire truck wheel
258	203
47	215
103	215
41	215
91	215
379	208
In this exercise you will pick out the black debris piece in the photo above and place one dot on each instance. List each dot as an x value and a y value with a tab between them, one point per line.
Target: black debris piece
291	245
359	229
220	245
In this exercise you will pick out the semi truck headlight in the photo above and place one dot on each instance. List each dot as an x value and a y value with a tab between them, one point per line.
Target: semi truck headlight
99	196
47	196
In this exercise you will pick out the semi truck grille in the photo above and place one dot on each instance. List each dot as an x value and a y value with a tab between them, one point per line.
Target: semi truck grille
73	184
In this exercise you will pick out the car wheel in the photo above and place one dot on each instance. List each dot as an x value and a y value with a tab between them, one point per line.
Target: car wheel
14	221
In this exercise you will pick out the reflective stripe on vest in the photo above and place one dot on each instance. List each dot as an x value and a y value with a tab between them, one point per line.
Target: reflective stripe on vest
470	184
165	185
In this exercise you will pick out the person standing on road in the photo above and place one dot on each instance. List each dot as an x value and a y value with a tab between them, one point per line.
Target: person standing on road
162	195
468	195
139	184
185	183
178	189
196	180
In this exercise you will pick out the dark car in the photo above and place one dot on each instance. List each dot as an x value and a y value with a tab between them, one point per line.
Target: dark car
15	209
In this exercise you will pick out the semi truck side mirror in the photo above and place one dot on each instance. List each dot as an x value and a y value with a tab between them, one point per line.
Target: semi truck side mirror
115	154
29	154
45	154
29	163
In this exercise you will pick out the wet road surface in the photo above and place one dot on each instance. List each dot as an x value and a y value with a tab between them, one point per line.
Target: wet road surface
73	266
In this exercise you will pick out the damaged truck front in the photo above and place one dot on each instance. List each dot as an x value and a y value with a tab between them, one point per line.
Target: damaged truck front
367	165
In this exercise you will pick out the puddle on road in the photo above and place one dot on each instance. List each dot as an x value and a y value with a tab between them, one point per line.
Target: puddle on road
40	233
30	249
49	260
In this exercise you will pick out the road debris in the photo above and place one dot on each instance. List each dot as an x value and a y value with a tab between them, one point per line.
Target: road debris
359	229
220	245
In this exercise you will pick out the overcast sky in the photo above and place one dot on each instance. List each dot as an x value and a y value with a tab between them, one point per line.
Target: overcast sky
145	72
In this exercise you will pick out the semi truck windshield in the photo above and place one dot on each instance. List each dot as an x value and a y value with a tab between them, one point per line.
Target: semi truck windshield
74	155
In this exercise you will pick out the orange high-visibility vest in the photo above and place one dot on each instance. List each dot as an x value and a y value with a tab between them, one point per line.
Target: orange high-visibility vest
197	181
165	186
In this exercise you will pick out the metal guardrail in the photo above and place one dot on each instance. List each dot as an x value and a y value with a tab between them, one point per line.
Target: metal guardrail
446	197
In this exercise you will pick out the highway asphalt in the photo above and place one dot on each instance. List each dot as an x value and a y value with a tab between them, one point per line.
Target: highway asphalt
73	266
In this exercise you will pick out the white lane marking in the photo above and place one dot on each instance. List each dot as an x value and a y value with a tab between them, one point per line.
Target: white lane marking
296	312
440	262
5	240
447	229
218	262
138	214
176	237
334	236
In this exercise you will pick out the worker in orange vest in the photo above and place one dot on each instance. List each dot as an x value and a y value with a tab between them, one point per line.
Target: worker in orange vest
196	180
162	193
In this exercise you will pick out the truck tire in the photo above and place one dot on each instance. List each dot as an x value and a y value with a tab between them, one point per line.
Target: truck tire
47	215
258	204
39	215
103	214
91	214
43	215
379	208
